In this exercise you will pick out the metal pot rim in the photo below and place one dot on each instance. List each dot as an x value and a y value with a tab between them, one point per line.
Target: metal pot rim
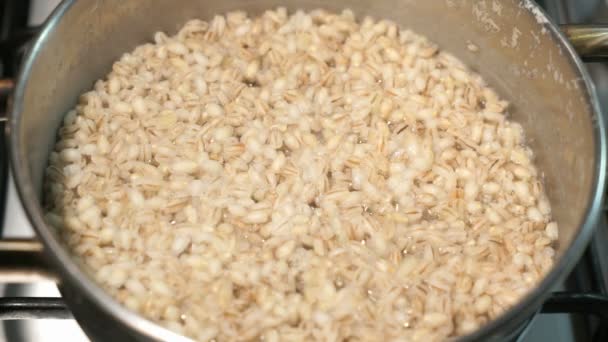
69	269
60	257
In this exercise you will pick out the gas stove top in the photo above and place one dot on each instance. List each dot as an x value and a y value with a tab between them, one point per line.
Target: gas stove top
18	20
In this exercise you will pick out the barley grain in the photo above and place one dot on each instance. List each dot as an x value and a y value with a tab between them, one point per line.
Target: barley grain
300	177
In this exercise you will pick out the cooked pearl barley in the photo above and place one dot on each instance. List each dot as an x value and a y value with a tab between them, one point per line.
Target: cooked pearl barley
552	231
297	178
70	155
286	249
214	109
483	303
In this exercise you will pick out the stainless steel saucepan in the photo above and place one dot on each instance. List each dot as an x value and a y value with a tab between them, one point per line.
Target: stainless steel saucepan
523	55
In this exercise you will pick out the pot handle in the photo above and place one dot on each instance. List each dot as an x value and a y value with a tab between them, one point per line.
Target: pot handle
23	261
589	41
6	87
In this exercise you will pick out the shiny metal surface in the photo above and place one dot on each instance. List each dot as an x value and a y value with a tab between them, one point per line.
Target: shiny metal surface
521	54
18	308
22	261
590	41
6	87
